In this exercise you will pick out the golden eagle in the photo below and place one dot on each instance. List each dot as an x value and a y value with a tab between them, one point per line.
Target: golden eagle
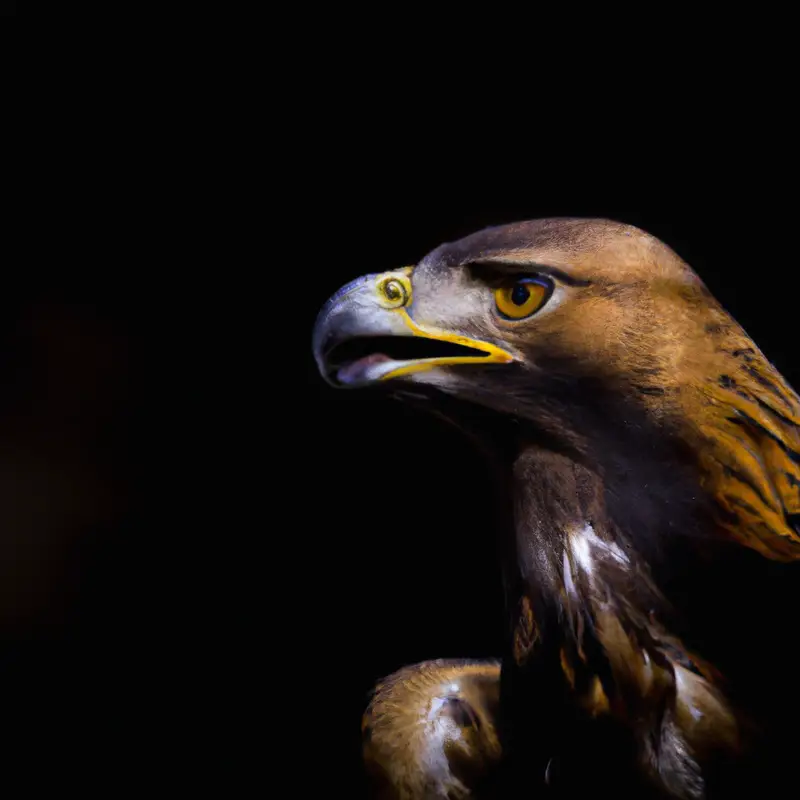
648	460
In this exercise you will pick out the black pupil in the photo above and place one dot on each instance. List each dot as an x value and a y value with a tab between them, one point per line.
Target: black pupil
520	294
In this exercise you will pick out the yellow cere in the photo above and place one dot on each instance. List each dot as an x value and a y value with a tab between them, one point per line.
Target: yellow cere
520	299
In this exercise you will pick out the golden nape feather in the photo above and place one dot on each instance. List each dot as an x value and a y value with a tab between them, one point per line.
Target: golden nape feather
430	730
750	447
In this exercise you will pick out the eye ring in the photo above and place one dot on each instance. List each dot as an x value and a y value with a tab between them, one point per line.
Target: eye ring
522	298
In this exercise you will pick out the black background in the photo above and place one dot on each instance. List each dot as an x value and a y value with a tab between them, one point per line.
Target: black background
244	550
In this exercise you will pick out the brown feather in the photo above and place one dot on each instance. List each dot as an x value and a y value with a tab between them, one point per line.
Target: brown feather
430	730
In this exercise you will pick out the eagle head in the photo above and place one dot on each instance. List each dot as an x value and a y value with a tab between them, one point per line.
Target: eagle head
597	338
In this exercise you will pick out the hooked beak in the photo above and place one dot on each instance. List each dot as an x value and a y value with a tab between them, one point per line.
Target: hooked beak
364	334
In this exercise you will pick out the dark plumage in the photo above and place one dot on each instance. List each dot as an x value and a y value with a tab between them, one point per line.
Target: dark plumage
648	459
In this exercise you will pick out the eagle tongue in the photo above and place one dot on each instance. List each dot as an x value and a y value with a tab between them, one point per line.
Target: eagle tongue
358	369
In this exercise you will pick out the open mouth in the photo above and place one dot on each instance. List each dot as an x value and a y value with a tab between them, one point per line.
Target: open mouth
368	358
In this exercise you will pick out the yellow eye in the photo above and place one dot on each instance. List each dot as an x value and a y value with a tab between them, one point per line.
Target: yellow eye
522	298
